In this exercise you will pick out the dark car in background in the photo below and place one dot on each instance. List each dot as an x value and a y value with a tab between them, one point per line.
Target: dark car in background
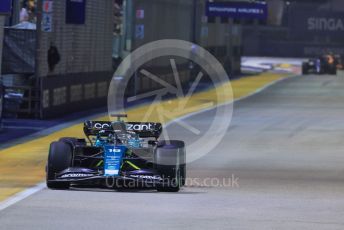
325	64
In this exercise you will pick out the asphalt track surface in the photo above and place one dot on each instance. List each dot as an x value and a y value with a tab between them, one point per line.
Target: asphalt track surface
285	146
22	161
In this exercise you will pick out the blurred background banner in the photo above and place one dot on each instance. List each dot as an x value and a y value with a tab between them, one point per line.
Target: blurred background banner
237	10
5	6
75	11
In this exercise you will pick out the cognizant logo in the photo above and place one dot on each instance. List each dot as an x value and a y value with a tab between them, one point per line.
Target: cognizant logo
139	127
130	127
101	126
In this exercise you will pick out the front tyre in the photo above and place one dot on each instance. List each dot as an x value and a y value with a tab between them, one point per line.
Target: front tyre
59	159
170	164
304	68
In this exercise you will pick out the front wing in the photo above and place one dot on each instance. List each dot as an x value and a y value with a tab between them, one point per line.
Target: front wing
144	177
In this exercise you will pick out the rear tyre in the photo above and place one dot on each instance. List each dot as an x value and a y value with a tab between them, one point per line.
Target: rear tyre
170	164
304	68
182	155
333	70
59	159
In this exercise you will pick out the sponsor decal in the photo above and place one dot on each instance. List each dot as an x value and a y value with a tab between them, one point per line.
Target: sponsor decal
148	177
130	127
113	159
139	127
101	126
76	175
114	150
111	172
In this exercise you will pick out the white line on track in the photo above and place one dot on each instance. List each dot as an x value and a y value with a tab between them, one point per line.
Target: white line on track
21	196
30	191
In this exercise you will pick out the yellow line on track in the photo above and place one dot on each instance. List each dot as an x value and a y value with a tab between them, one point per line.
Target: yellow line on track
22	166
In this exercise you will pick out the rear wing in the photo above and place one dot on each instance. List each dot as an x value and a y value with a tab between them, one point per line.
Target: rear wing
143	129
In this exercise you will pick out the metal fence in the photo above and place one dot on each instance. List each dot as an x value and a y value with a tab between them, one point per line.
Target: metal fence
80	80
83	48
19	51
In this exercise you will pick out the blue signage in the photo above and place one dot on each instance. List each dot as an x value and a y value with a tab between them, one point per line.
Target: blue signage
237	10
75	11
140	31
5	6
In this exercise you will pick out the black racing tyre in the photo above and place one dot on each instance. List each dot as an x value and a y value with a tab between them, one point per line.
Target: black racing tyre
181	146
333	70
304	68
170	164
60	158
